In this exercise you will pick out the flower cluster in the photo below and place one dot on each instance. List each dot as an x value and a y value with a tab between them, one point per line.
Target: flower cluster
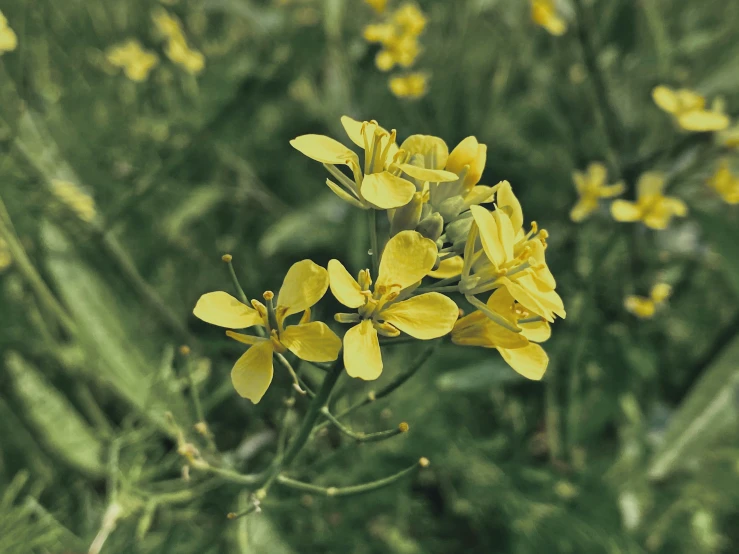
725	183
645	307
136	62
437	229
398	35
688	108
8	38
176	47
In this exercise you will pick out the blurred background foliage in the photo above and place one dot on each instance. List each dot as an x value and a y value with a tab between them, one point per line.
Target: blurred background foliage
629	444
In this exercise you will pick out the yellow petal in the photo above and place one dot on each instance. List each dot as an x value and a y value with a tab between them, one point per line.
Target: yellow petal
222	309
427	316
468	153
530	361
651	183
434	150
252	373
344	195
323	149
387	191
244	339
433	175
304	285
665	98
353	130
703	120
660	292
610	191
312	342
623	210
597	174
536	331
583	208
451	267
641	307
505	199
8	40
343	286
489	237
675	206
408	257
362	356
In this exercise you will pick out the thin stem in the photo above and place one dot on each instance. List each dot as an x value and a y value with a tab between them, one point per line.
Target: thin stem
296	380
447	281
239	290
314	411
355	489
195	397
364	437
454	288
372	215
231	475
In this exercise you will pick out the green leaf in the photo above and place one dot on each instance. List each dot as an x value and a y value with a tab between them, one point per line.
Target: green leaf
709	411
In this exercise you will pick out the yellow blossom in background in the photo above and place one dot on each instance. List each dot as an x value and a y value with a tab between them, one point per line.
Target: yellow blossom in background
398	35
176	48
591	187
652	207
645	307
729	138
5	258
378	183
388	308
544	13
412	85
8	38
689	109
313	341
500	254
725	183
136	62
81	203
378	5
518	347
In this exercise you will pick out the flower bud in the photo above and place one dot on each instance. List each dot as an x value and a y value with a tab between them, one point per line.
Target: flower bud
431	227
451	207
406	217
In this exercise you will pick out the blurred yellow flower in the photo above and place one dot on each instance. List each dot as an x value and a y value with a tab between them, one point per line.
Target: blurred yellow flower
689	109
517	347
176	49
412	85
591	186
544	13
136	62
645	308
398	35
5	258
729	137
378	5
389	308
652	207
380	184
8	38
725	183
81	203
507	257
313	341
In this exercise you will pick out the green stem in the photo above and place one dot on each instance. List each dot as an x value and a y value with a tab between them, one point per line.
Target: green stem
314	411
240	291
372	215
231	475
364	437
447	281
296	380
199	414
351	490
454	288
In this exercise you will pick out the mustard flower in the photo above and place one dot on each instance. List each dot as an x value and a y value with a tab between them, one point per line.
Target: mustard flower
689	109
518	347
176	48
645	307
380	183
500	254
377	5
398	36
312	341
388	308
729	138
725	183
8	38
136	62
591	186
412	85
652	207
544	13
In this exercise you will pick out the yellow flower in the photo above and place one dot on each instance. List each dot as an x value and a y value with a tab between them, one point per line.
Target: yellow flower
518	348
652	207
5	258
499	254
689	109
468	160
388	308
398	36
591	186
380	185
377	5
412	85
725	183
8	38
645	308
313	341
544	14
75	199
729	138
176	48
136	62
